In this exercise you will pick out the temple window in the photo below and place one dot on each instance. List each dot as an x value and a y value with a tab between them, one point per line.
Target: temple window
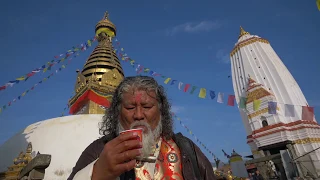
264	121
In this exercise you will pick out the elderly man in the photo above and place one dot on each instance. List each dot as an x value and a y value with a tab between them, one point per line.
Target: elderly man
139	102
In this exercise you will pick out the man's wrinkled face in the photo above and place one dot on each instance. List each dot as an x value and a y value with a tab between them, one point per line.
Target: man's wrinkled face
139	106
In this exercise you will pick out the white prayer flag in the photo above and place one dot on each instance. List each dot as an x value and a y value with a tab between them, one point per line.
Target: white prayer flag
289	110
180	85
220	97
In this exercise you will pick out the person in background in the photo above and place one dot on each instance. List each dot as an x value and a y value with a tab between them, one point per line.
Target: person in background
258	176
140	102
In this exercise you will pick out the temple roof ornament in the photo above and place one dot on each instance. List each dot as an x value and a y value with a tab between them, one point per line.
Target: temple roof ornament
100	75
243	32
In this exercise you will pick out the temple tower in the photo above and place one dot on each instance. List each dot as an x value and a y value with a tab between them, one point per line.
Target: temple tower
259	74
100	75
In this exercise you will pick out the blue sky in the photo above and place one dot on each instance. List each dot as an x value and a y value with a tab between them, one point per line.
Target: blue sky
187	40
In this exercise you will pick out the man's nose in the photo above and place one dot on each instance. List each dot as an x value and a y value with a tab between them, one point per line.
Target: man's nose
138	114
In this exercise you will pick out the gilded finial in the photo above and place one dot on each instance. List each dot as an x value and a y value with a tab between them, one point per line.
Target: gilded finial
106	16
243	32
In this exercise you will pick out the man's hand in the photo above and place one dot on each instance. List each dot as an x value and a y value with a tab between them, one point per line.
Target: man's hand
117	157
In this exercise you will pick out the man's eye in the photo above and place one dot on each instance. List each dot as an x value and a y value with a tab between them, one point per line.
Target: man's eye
147	107
129	108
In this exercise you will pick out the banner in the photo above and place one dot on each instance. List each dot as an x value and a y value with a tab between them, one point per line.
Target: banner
48	66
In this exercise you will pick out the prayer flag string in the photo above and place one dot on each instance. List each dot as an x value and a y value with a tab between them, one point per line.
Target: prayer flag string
202	145
211	94
4	107
48	66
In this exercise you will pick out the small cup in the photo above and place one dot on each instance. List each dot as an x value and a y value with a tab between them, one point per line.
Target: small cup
138	131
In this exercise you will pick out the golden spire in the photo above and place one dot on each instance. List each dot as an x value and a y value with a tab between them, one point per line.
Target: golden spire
100	75
243	32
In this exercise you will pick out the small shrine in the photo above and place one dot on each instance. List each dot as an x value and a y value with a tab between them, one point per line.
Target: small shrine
19	163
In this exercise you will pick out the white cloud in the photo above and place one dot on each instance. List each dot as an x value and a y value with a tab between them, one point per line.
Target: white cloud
189	27
177	109
223	56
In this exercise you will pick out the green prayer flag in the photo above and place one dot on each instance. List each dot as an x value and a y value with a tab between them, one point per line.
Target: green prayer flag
193	89
242	103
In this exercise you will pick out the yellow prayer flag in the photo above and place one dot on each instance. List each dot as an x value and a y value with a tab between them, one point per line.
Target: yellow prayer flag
256	104
318	4
122	58
44	79
191	132
89	43
21	78
45	69
202	93
122	49
178	118
23	94
167	80
63	66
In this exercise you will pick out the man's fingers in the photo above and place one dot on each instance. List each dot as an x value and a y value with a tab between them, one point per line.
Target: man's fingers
128	156
128	145
125	137
126	166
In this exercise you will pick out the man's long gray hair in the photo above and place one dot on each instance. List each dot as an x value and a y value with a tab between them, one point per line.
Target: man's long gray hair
110	121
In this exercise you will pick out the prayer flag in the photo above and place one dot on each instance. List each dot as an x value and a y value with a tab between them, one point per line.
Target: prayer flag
23	94
272	107
167	80
186	87
45	69
3	87
318	4
243	101
220	97
256	104
289	110
193	89
231	100
202	93
180	85
21	78
63	66
146	70
307	113
89	43
212	94
132	62
172	82
30	74
140	70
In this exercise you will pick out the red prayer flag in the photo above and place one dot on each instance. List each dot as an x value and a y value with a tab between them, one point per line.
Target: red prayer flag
307	113
231	100
3	87
30	74
186	87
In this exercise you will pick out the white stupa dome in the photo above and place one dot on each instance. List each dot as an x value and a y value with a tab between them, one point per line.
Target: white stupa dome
64	138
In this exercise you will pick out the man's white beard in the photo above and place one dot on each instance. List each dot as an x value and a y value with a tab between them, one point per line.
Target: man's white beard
149	138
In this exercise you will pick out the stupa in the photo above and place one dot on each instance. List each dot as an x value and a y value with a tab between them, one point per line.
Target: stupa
64	138
289	126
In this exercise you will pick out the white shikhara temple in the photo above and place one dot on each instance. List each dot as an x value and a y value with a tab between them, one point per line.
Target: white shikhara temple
259	74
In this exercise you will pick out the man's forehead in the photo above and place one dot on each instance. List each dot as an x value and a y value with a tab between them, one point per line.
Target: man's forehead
138	95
